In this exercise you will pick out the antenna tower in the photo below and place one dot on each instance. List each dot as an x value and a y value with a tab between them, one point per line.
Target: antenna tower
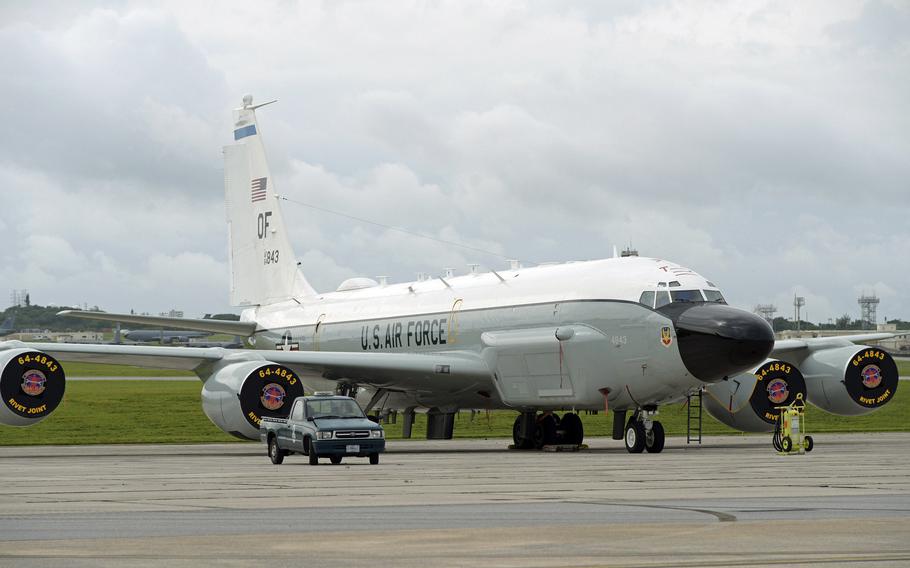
766	311
798	303
868	307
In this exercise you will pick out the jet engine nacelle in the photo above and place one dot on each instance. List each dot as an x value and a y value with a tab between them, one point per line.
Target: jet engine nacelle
747	402
31	386
238	395
850	380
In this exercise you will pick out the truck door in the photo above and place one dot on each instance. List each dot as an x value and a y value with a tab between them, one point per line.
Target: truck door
293	436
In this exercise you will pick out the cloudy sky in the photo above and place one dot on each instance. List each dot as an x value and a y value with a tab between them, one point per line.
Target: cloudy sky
764	144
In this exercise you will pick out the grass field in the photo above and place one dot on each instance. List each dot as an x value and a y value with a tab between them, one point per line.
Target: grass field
903	367
115	412
74	369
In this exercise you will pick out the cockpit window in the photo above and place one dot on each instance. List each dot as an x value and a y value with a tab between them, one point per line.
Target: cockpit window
675	284
687	296
663	298
714	296
647	299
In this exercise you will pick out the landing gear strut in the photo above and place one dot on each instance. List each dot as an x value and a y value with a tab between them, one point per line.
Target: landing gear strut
644	433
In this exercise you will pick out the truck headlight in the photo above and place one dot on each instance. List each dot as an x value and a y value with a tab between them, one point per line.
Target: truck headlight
375	433
327	435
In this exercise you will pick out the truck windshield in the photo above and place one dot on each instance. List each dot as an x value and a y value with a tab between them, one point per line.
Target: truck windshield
333	408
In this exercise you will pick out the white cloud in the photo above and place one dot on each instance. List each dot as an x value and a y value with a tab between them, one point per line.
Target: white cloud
761	143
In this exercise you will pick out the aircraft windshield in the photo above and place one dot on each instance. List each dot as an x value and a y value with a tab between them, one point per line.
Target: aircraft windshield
687	296
714	296
659	298
333	408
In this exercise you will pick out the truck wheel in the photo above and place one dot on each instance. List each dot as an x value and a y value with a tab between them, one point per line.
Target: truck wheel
810	443
311	451
374	458
335	459
275	453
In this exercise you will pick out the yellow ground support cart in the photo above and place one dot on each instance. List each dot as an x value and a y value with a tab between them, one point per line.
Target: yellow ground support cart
790	431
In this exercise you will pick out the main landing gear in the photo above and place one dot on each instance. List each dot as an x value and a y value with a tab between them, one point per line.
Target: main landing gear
644	433
534	431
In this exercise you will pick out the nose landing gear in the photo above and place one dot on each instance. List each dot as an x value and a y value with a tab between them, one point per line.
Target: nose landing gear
644	433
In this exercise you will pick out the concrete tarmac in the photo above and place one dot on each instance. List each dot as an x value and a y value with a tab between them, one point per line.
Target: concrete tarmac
731	502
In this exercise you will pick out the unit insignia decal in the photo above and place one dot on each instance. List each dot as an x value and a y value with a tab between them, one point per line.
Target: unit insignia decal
778	391
33	382
665	337
272	397
872	376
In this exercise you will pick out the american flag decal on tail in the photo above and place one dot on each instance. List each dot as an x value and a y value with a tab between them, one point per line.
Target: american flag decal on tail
258	186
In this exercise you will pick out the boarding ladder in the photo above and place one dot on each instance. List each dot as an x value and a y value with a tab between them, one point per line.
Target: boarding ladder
693	418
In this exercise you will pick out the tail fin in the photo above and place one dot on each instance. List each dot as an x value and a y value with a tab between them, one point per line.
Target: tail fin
263	265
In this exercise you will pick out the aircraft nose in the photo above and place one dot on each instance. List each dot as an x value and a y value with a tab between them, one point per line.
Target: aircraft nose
717	341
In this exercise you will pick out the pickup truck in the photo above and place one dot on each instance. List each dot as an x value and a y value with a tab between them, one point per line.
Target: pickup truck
323	426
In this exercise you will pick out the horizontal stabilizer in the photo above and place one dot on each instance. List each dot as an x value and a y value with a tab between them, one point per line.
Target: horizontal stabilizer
241	328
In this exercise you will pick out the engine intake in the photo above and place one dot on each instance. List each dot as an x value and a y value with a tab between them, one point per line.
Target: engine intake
851	380
31	386
748	401
238	395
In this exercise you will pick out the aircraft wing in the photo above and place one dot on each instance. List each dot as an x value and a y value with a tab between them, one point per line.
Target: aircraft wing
405	371
241	328
174	358
812	343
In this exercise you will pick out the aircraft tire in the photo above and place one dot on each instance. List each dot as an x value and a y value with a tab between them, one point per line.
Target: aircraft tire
374	458
654	440
545	433
635	437
275	453
521	443
311	452
573	429
335	460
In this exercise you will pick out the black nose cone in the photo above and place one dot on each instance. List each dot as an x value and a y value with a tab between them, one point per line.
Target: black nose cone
717	341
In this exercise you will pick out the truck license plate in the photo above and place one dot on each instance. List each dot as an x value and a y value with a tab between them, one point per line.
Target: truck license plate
352	448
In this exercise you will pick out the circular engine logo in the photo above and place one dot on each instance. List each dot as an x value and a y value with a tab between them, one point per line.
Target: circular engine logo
778	391
33	382
272	397
872	376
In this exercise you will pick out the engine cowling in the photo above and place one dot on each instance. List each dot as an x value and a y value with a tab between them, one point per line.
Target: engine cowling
747	402
850	380
238	395
31	386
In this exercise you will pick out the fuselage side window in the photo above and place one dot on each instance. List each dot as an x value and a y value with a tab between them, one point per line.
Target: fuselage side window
714	296
687	296
647	299
663	298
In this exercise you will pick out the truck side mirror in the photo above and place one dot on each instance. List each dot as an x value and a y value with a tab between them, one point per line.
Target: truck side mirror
310	419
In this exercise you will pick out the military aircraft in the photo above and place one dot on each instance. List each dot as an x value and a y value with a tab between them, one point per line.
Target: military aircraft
164	335
626	334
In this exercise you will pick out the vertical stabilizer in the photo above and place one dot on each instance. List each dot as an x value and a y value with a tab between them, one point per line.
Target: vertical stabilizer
262	262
